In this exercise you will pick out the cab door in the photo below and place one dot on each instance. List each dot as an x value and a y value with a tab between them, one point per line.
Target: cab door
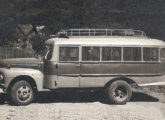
68	66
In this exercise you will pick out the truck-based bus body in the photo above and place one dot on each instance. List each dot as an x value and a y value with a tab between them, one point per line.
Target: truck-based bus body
91	58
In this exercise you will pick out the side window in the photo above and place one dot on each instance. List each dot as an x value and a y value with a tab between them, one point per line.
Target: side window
150	54
69	54
162	53
111	53
132	54
90	53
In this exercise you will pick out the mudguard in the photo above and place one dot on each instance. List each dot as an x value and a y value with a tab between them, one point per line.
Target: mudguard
12	73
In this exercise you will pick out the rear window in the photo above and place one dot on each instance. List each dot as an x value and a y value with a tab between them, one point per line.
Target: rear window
69	54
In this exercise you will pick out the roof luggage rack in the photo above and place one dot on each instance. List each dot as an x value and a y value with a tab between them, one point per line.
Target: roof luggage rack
102	32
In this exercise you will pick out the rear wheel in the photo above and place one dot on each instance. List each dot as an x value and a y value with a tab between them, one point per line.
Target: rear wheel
22	93
119	92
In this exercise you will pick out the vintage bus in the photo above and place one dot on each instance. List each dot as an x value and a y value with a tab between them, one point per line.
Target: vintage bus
112	59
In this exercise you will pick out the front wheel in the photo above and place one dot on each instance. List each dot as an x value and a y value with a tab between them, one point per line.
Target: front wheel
22	93
119	92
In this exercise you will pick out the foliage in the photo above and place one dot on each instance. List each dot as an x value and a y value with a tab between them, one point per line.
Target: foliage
147	15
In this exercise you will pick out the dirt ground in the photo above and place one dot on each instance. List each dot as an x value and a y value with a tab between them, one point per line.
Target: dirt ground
71	105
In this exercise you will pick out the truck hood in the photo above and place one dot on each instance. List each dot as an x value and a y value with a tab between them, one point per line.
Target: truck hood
21	62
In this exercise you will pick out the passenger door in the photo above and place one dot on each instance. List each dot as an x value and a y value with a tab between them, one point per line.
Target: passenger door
68	66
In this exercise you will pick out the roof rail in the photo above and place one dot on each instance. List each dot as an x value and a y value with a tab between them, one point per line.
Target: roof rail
103	32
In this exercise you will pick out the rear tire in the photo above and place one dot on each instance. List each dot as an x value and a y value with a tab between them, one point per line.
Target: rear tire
119	92
21	93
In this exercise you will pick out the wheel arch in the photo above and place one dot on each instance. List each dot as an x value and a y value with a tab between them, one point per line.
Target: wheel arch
26	78
126	79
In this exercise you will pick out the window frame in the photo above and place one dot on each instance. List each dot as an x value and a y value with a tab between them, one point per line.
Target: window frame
133	60
91	60
161	58
80	55
151	61
68	46
111	51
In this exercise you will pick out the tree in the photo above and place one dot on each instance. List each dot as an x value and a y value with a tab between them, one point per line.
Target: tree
55	15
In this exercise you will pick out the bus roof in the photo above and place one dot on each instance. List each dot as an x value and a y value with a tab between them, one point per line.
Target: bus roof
109	41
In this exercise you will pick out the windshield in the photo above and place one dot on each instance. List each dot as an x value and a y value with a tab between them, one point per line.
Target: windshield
48	53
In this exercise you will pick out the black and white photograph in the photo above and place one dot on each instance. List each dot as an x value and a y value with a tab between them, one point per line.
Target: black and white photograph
82	59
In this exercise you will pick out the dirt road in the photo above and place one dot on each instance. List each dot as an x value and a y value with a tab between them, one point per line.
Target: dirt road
86	106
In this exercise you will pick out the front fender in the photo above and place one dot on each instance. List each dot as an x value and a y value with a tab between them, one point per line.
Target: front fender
12	73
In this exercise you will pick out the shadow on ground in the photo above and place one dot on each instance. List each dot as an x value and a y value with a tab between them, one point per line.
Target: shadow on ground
3	98
78	97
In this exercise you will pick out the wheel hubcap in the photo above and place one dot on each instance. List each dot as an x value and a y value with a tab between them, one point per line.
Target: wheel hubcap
24	93
120	93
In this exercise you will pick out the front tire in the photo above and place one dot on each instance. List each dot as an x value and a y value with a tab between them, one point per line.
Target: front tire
119	92
21	93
